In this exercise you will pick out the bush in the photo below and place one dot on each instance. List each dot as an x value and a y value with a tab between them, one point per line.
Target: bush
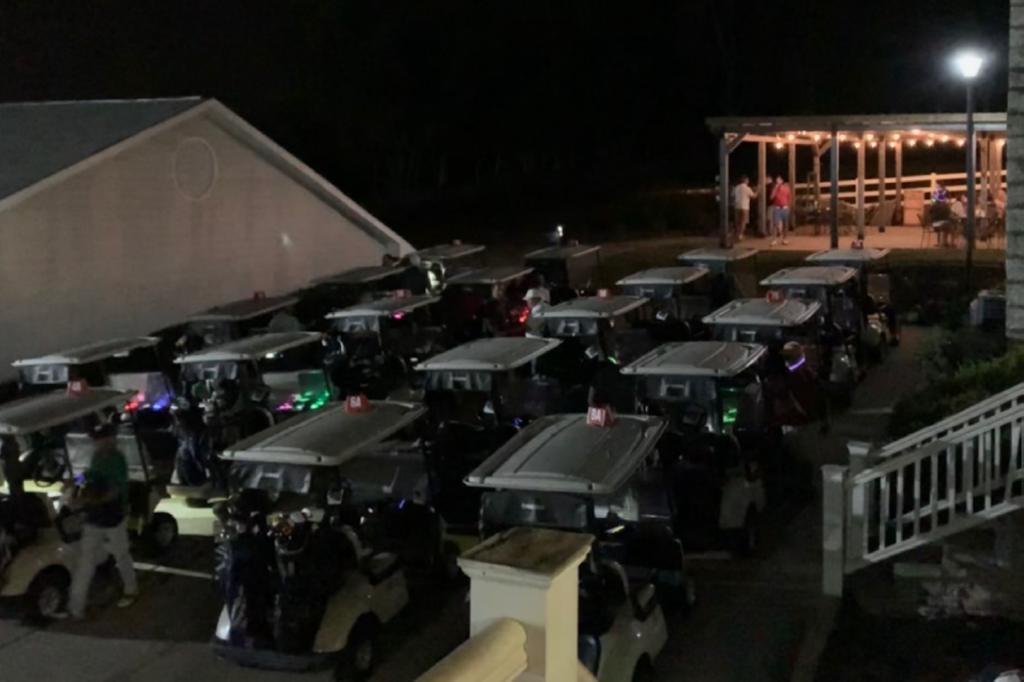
945	395
946	352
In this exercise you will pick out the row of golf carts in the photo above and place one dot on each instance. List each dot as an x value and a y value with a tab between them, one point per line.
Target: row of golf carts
330	514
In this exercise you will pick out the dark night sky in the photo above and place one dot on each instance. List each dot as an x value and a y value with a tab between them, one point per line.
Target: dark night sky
380	95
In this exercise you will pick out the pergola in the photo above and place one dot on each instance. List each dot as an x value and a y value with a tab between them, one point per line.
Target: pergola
829	133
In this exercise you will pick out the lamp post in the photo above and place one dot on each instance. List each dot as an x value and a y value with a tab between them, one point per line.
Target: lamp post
969	66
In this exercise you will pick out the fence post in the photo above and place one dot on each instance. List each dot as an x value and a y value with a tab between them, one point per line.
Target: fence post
833	547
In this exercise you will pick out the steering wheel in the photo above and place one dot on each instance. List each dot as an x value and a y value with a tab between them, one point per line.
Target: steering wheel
49	469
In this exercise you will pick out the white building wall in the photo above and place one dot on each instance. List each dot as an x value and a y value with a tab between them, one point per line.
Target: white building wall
122	249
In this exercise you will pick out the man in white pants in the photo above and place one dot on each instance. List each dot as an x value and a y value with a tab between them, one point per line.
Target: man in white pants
104	499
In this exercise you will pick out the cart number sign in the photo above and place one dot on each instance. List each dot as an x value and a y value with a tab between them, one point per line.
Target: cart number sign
599	416
775	296
357	403
259	296
603	293
77	387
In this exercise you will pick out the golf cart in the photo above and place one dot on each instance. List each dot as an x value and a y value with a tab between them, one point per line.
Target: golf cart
710	392
38	532
486	302
234	320
568	270
773	321
839	291
681	297
237	389
478	395
347	288
373	344
875	276
590	473
444	261
306	570
733	271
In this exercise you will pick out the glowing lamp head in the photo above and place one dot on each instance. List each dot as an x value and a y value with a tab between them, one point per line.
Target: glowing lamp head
968	64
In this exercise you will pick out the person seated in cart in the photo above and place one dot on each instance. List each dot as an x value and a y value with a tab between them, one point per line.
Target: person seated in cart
597	331
444	261
235	320
733	271
39	535
374	343
777	320
681	297
710	392
875	278
591	473
485	302
839	290
347	288
569	269
307	575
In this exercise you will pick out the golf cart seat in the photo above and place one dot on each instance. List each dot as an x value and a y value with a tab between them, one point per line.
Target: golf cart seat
381	566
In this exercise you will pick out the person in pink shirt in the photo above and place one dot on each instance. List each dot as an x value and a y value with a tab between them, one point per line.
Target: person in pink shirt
782	199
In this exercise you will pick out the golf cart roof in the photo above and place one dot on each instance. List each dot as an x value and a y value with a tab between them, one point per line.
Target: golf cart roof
495	275
327	437
35	413
251	347
698	359
812	275
682	274
486	355
758	312
450	251
363	275
90	352
593	307
384	307
843	256
561	252
717	255
561	453
244	309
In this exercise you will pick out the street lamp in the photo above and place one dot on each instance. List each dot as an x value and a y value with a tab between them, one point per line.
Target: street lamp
968	64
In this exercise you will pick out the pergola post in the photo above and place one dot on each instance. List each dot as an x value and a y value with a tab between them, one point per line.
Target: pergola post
995	158
881	185
762	187
860	188
834	193
899	182
817	176
985	144
723	192
792	185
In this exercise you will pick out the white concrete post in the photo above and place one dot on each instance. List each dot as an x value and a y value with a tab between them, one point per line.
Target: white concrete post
531	576
833	539
860	187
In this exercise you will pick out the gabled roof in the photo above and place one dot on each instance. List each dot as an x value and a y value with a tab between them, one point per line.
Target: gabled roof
251	347
39	412
592	307
363	275
39	139
92	352
563	454
758	312
561	252
811	276
384	307
44	143
678	275
327	437
490	355
698	358
492	275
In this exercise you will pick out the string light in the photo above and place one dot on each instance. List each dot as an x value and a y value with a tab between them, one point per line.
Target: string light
817	138
912	143
961	143
842	138
895	136
779	145
856	145
892	145
916	131
874	143
930	143
869	136
945	138
791	137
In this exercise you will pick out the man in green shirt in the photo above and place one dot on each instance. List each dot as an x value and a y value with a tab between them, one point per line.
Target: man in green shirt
104	500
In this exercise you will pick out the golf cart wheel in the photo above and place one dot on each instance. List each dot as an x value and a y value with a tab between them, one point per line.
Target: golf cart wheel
644	671
745	539
450	553
360	655
47	596
161	533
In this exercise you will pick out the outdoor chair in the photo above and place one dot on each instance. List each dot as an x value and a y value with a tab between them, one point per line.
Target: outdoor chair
927	231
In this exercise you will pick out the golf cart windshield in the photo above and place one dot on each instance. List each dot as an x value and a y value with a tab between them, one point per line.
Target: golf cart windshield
214	372
503	509
212	332
285	483
766	334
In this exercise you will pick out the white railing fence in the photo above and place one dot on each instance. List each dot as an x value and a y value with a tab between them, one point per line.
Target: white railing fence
955	475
